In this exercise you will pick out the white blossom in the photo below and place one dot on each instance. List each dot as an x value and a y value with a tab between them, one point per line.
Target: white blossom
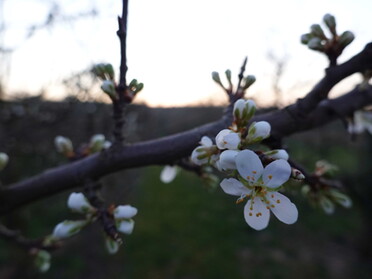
227	139
260	185
63	145
4	158
204	153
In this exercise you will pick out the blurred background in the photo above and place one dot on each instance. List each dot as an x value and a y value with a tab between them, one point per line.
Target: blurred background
184	229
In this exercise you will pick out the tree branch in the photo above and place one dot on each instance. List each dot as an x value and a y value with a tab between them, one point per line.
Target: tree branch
169	149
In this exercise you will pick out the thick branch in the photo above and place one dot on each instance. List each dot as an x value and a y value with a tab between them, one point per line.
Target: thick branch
169	149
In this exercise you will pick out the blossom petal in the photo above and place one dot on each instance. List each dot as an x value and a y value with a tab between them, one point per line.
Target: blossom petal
125	226
227	160
256	214
232	141
276	173
220	141
125	212
206	141
249	165
283	208
168	174
234	187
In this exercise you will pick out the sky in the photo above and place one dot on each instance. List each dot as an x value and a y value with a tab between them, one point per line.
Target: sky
174	45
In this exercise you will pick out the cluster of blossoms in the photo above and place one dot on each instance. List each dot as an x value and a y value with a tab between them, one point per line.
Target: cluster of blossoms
78	203
253	176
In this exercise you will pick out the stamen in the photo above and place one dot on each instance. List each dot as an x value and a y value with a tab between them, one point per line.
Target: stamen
258	214
270	176
278	201
254	172
250	214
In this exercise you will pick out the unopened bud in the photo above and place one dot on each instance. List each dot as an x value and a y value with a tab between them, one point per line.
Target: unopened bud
125	226
68	228
216	77
109	70
63	145
330	21
345	39
327	205
248	81
108	87
133	83
277	154
341	198
42	260
315	44
317	31
296	174
79	203
228	76
125	212
112	245
305	190
97	143
4	158
258	131
99	70
139	87
244	111
305	38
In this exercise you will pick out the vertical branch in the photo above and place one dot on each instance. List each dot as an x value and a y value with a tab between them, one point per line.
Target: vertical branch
121	89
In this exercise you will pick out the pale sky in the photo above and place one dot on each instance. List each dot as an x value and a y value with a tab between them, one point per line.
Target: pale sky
174	45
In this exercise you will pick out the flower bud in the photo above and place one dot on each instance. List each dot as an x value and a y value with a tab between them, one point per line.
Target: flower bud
243	111
305	38
125	212
4	158
327	205
323	167
96	143
248	81
99	70
226	139
112	245
168	174
109	70
228	76
296	174
204	153
108	87
258	131
341	198
63	145
315	44
139	87
330	21
317	31
277	154
79	203
125	226
345	39
42	260
68	228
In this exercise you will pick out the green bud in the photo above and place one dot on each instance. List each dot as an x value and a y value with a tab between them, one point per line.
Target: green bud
99	70
216	77
317	31
228	77
341	199
139	87
109	70
315	44
345	39
96	143
305	38
133	83
4	158
109	88
330	21
42	260
63	145
248	81
112	246
327	205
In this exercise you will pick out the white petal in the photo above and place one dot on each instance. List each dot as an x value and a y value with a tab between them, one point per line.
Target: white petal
227	160
206	141
68	228
168	174
256	214
232	141
234	187
276	173
282	207
277	154
220	141
125	212
249	166
125	226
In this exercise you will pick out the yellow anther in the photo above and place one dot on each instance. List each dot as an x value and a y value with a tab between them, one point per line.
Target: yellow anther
254	172
250	213
272	206
258	214
270	176
278	201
